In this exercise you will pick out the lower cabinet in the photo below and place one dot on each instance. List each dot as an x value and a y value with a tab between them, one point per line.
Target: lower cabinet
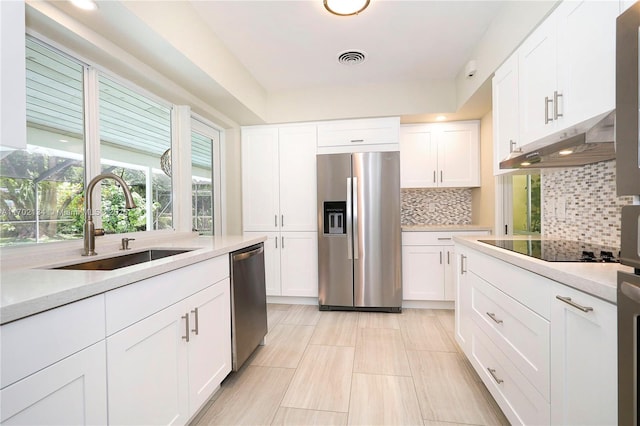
72	391
584	355
163	368
429	264
291	263
546	352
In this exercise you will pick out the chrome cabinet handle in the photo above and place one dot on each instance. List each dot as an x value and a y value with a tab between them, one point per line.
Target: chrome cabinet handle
568	301
441	258
282	242
547	101
357	140
282	221
493	374
462	268
434	176
276	239
493	317
186	334
448	257
556	96
195	329
275	220
444	239
440	175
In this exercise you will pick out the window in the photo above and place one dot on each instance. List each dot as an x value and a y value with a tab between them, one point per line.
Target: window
135	131
41	188
526	205
205	179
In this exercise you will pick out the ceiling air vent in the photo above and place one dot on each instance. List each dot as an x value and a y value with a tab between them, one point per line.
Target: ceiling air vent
351	57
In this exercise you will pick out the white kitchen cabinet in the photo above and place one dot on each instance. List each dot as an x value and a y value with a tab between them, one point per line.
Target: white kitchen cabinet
291	263
440	155
359	135
463	322
187	366
279	178
429	264
72	391
584	385
567	70
13	82
506	136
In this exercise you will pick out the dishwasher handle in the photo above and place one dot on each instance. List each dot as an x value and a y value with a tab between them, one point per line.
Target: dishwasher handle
247	254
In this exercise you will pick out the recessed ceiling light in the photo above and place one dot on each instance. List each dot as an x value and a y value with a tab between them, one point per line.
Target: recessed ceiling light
441	117
346	7
85	4
565	152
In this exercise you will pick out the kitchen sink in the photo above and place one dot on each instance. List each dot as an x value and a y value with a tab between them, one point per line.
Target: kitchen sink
121	261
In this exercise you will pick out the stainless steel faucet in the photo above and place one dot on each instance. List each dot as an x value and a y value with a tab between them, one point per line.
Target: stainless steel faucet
89	227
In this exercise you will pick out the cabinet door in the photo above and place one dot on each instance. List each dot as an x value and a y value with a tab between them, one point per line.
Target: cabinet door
13	104
418	157
271	261
260	199
584	381
147	370
298	178
422	273
586	59
299	264
505	112
210	342
459	155
537	80
463	300
70	392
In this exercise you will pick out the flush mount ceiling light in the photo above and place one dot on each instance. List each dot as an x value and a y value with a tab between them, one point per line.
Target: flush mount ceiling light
85	4
346	7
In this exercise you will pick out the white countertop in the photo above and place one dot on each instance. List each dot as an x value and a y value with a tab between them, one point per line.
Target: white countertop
597	279
444	228
29	290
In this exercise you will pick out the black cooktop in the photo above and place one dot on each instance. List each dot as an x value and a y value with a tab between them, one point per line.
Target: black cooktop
560	250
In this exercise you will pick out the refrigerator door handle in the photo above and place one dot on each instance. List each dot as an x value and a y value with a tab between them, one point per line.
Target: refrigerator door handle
356	255
349	221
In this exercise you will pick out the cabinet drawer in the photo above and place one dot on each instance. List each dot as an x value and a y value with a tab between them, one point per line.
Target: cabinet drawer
517	331
528	288
519	400
435	238
32	343
131	303
359	132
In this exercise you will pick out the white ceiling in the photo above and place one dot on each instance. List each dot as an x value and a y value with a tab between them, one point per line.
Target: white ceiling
269	61
293	45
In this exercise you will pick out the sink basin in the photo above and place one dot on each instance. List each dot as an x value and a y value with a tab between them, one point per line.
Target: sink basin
121	261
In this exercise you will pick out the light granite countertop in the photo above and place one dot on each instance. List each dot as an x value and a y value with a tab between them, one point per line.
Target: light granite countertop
444	228
29	290
597	279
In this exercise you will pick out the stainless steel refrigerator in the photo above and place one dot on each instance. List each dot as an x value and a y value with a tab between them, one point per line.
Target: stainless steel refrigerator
359	236
628	183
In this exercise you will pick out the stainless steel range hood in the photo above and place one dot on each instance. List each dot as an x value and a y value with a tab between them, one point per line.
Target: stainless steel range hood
589	142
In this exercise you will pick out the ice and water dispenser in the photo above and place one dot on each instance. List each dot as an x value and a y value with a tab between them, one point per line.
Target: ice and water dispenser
335	217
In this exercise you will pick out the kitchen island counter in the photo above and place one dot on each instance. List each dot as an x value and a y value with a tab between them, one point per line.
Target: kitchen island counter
28	290
597	279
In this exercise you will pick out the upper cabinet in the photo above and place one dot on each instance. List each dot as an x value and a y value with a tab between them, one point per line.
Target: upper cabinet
564	73
360	135
13	102
440	155
279	178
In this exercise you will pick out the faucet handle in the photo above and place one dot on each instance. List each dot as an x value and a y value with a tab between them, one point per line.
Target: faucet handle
125	243
98	232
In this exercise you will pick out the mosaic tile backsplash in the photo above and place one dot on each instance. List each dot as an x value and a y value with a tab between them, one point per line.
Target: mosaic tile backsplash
435	206
592	209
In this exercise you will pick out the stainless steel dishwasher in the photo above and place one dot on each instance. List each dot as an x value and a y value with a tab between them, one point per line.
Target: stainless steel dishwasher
248	303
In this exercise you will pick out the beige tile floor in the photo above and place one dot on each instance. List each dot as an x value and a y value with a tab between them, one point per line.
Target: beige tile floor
360	368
